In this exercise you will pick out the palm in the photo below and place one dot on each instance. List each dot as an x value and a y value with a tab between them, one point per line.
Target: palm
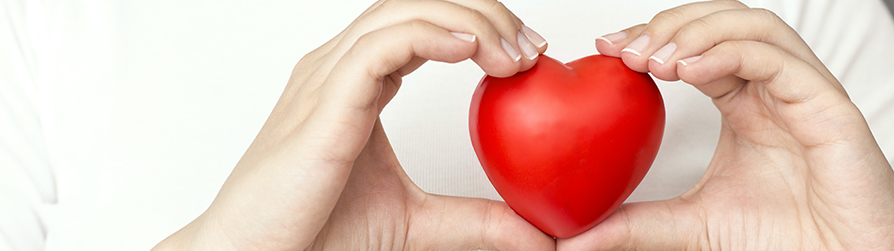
759	184
789	165
778	174
375	199
382	209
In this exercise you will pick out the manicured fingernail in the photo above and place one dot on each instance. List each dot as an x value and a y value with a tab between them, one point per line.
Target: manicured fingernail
638	45
664	53
613	38
526	47
510	51
688	61
533	36
464	36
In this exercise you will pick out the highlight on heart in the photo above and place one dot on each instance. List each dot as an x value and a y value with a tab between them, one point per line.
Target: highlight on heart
566	144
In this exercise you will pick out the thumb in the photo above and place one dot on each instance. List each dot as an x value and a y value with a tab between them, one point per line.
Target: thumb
455	223
657	225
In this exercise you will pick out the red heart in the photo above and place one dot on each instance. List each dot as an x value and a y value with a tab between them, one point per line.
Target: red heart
564	145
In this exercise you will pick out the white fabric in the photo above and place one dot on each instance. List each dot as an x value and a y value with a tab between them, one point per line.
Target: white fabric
119	120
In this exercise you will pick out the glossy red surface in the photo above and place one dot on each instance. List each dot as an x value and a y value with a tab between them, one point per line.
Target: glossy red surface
566	145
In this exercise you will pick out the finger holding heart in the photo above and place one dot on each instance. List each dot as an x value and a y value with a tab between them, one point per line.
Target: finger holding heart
796	166
690	30
321	174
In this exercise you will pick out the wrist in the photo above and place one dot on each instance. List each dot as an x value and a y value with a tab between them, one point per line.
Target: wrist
200	234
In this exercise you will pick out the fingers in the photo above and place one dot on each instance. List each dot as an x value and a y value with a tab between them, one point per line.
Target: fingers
639	44
691	29
657	225
363	80
453	223
503	51
803	99
785	76
529	42
732	25
382	52
612	44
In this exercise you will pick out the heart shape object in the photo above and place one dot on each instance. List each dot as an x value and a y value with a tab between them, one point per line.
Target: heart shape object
565	145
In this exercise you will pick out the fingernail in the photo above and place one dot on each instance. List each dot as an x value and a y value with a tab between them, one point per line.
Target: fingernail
526	47
664	53
464	36
533	36
510	51
688	61
613	38
638	45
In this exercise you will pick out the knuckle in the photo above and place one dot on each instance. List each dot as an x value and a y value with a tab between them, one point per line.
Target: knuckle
364	39
496	7
374	38
393	1
734	3
767	14
700	25
411	28
697	28
389	3
772	21
477	17
730	46
635	29
670	15
416	25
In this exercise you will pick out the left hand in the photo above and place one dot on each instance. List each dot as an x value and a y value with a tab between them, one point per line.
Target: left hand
796	167
321	174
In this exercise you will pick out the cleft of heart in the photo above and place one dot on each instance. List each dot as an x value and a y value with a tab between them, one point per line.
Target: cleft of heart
566	144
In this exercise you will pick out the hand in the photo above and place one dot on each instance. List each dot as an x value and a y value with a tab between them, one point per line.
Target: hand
321	173
796	167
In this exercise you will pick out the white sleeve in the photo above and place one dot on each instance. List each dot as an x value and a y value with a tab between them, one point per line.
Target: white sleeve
26	176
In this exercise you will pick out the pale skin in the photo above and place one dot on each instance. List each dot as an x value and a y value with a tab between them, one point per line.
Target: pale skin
321	174
796	166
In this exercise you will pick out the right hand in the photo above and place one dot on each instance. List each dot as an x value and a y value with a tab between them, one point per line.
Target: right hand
796	166
321	174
